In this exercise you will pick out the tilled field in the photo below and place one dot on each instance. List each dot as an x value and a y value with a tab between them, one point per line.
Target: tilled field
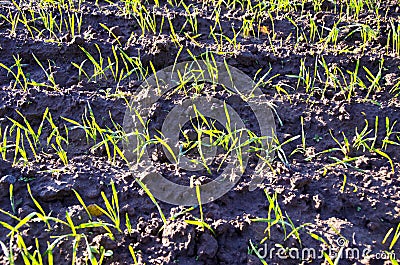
330	69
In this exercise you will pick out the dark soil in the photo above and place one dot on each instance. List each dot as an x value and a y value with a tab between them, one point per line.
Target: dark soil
363	211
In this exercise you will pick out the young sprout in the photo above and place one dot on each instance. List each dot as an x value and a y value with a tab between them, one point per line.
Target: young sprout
200	222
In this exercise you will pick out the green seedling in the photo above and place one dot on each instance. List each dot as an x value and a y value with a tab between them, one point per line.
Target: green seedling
133	254
3	145
326	256
37	256
255	251
200	222
374	79
111	34
191	18
20	78
275	216
112	208
153	199
13	19
317	138
48	74
59	141
395	239
303	148
99	68
25	132
106	137
393	40
11	190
